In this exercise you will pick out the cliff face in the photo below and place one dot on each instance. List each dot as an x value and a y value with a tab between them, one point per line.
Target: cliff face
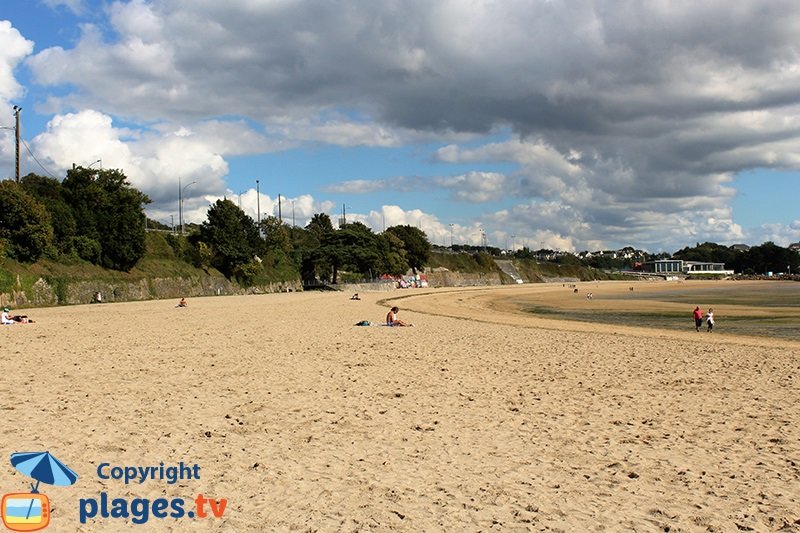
446	278
163	273
60	291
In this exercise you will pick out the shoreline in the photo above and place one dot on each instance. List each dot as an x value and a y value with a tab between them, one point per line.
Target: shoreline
508	305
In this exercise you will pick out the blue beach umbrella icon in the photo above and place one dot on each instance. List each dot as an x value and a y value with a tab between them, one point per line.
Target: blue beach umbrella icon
44	468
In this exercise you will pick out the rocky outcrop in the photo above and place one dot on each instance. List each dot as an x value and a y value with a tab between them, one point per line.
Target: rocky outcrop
446	278
58	291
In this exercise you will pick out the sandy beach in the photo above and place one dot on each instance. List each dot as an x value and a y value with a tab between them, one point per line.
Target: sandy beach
482	417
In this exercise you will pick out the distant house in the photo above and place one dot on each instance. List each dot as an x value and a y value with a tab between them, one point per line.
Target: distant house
739	247
795	247
679	266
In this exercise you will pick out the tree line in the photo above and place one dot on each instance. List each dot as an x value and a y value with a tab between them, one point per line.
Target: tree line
762	259
97	216
253	253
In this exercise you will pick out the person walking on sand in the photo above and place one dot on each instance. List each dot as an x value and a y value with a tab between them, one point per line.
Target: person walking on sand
710	319
392	320
698	318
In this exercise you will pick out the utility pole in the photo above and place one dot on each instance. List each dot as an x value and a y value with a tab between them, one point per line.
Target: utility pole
258	208
17	111
280	217
180	205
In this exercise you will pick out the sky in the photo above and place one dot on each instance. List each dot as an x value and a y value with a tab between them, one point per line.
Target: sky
571	125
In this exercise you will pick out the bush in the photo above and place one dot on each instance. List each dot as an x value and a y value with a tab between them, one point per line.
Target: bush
87	248
24	223
248	273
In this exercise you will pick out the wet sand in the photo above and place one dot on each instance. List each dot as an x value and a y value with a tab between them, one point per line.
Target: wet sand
481	417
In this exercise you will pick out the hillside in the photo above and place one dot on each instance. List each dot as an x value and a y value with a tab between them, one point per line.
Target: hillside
531	271
160	274
164	272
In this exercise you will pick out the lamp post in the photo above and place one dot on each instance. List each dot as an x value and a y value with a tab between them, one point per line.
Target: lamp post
513	242
258	208
180	201
95	162
451	236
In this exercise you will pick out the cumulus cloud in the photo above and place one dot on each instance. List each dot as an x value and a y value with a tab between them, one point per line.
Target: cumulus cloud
195	209
154	160
13	49
473	187
628	121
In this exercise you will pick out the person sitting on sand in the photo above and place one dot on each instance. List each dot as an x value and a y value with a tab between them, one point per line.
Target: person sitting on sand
182	303
710	319
355	297
6	318
698	318
392	320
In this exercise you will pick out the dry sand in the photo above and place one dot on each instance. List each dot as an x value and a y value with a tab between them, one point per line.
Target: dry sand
487	419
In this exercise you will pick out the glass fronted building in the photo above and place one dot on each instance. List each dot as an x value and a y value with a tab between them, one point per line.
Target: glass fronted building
679	266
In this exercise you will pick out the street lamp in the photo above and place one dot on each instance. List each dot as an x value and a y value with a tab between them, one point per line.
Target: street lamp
258	208
180	201
95	162
451	236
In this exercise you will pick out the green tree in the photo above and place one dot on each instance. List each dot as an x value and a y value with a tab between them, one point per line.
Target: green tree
276	235
313	263
708	252
393	254
232	235
416	245
319	225
50	193
25	224
354	248
107	209
768	257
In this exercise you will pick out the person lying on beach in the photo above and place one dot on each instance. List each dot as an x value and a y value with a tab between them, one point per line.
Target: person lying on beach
392	320
182	303
355	297
7	319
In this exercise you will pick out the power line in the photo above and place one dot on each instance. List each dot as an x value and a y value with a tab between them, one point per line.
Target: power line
37	161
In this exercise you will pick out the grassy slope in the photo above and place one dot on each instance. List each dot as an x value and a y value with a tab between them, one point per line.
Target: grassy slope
529	269
160	262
